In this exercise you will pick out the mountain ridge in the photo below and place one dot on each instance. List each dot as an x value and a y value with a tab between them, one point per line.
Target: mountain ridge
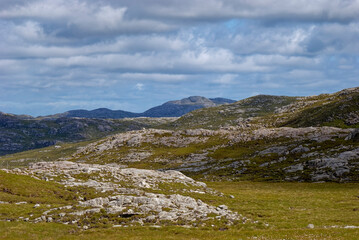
175	108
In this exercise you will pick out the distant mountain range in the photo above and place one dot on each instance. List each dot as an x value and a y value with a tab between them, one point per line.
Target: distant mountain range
21	132
169	109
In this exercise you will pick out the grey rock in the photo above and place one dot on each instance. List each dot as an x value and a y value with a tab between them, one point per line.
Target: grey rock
310	226
300	149
354	135
294	168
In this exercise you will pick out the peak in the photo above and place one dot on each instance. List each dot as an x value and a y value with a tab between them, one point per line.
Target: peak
196	98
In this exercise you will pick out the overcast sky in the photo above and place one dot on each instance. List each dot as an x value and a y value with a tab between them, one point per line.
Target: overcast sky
57	55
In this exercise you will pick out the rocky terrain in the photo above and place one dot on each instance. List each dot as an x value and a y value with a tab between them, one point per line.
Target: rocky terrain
339	109
129	196
19	134
291	154
151	173
260	138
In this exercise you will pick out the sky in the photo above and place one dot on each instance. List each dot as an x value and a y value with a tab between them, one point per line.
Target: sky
58	55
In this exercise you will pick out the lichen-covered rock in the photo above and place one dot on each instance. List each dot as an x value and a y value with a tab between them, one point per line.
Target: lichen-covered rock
130	194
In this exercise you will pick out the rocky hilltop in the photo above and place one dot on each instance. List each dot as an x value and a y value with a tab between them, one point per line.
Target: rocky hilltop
290	154
339	109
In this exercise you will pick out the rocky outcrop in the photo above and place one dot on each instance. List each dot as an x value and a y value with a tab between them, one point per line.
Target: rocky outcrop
130	194
291	154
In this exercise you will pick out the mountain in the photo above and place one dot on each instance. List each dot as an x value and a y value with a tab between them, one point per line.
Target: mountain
98	113
169	109
183	106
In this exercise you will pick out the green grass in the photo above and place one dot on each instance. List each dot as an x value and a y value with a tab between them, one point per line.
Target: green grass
43	154
16	188
287	207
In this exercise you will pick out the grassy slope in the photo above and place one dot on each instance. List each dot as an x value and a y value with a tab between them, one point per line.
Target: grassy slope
224	115
322	110
43	154
287	207
334	112
227	160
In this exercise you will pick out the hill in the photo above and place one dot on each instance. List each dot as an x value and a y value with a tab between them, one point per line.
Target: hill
18	134
339	109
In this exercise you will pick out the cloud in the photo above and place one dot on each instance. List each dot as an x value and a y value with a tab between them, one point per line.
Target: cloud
225	79
139	86
306	10
81	18
74	51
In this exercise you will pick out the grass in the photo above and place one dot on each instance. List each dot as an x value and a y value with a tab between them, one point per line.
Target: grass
51	153
16	188
287	207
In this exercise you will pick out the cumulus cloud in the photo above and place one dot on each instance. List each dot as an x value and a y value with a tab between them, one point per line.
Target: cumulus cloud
81	18
307	10
65	51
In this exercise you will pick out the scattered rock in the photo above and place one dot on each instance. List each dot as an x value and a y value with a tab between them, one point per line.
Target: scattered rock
310	226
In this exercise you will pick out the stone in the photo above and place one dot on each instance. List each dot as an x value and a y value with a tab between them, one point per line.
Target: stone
310	226
354	135
224	207
127	202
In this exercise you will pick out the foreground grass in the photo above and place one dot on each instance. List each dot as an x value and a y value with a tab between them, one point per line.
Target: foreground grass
295	205
287	207
56	231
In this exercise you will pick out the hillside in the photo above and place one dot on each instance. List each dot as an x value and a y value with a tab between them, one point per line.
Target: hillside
339	109
18	134
234	114
96	113
260	138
